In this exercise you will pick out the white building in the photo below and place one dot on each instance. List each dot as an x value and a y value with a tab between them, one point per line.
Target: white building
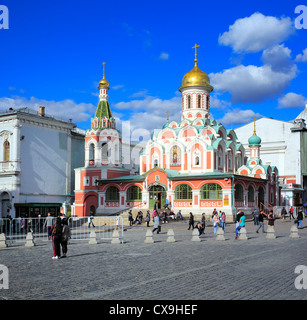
284	144
38	155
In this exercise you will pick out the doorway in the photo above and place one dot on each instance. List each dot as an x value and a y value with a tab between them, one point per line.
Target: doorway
157	197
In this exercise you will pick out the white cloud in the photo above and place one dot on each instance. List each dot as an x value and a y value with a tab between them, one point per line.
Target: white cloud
257	32
252	84
164	56
292	100
150	113
64	109
238	116
140	94
279	58
117	87
302	57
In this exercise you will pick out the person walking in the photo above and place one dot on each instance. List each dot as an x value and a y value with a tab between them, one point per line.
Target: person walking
216	221
256	217
241	224
299	219
48	223
283	214
203	222
66	235
291	213
223	220
261	224
90	221
147	219
191	221
130	218
156	224
117	223
56	233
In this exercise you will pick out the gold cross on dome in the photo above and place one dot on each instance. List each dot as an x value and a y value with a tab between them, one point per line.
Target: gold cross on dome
167	119
254	126
104	63
195	47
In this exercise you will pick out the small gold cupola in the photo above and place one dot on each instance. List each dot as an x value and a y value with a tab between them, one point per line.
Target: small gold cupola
103	83
196	77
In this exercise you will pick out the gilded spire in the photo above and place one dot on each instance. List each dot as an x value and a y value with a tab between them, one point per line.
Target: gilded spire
195	47
104	69
254	126
104	84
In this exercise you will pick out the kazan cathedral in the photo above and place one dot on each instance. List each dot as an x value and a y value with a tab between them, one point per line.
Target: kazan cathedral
196	165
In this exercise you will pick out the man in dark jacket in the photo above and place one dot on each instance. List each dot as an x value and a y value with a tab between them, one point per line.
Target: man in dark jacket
56	233
299	219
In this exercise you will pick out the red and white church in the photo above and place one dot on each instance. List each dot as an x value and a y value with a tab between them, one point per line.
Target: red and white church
194	164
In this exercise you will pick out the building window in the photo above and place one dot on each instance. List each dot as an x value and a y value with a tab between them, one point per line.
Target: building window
92	151
6	151
86	181
104	152
183	192
199	101
211	191
207	102
196	161
189	102
134	193
251	196
155	159
220	159
196	158
112	194
239	193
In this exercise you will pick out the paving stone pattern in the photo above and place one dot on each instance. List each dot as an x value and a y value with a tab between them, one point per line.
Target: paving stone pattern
253	269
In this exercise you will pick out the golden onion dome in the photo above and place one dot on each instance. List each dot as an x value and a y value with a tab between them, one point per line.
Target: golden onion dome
196	77
104	84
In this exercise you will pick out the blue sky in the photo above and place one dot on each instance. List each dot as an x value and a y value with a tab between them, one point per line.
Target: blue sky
52	53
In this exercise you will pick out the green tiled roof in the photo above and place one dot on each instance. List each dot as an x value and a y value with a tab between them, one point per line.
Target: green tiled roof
103	110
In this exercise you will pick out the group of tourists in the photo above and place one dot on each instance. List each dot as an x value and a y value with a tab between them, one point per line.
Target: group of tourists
59	233
218	220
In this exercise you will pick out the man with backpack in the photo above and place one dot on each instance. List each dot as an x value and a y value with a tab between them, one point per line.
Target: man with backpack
55	235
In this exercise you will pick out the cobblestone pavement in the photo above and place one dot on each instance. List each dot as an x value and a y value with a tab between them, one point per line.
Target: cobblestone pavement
257	268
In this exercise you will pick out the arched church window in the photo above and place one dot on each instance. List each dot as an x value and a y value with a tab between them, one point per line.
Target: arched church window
207	101
189	102
104	151
239	161
155	159
211	191
196	161
112	194
230	161
6	151
199	101
91	151
239	193
220	159
183	192
134	193
250	194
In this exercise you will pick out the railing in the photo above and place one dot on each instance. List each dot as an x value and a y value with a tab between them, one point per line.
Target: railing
266	208
277	210
16	229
